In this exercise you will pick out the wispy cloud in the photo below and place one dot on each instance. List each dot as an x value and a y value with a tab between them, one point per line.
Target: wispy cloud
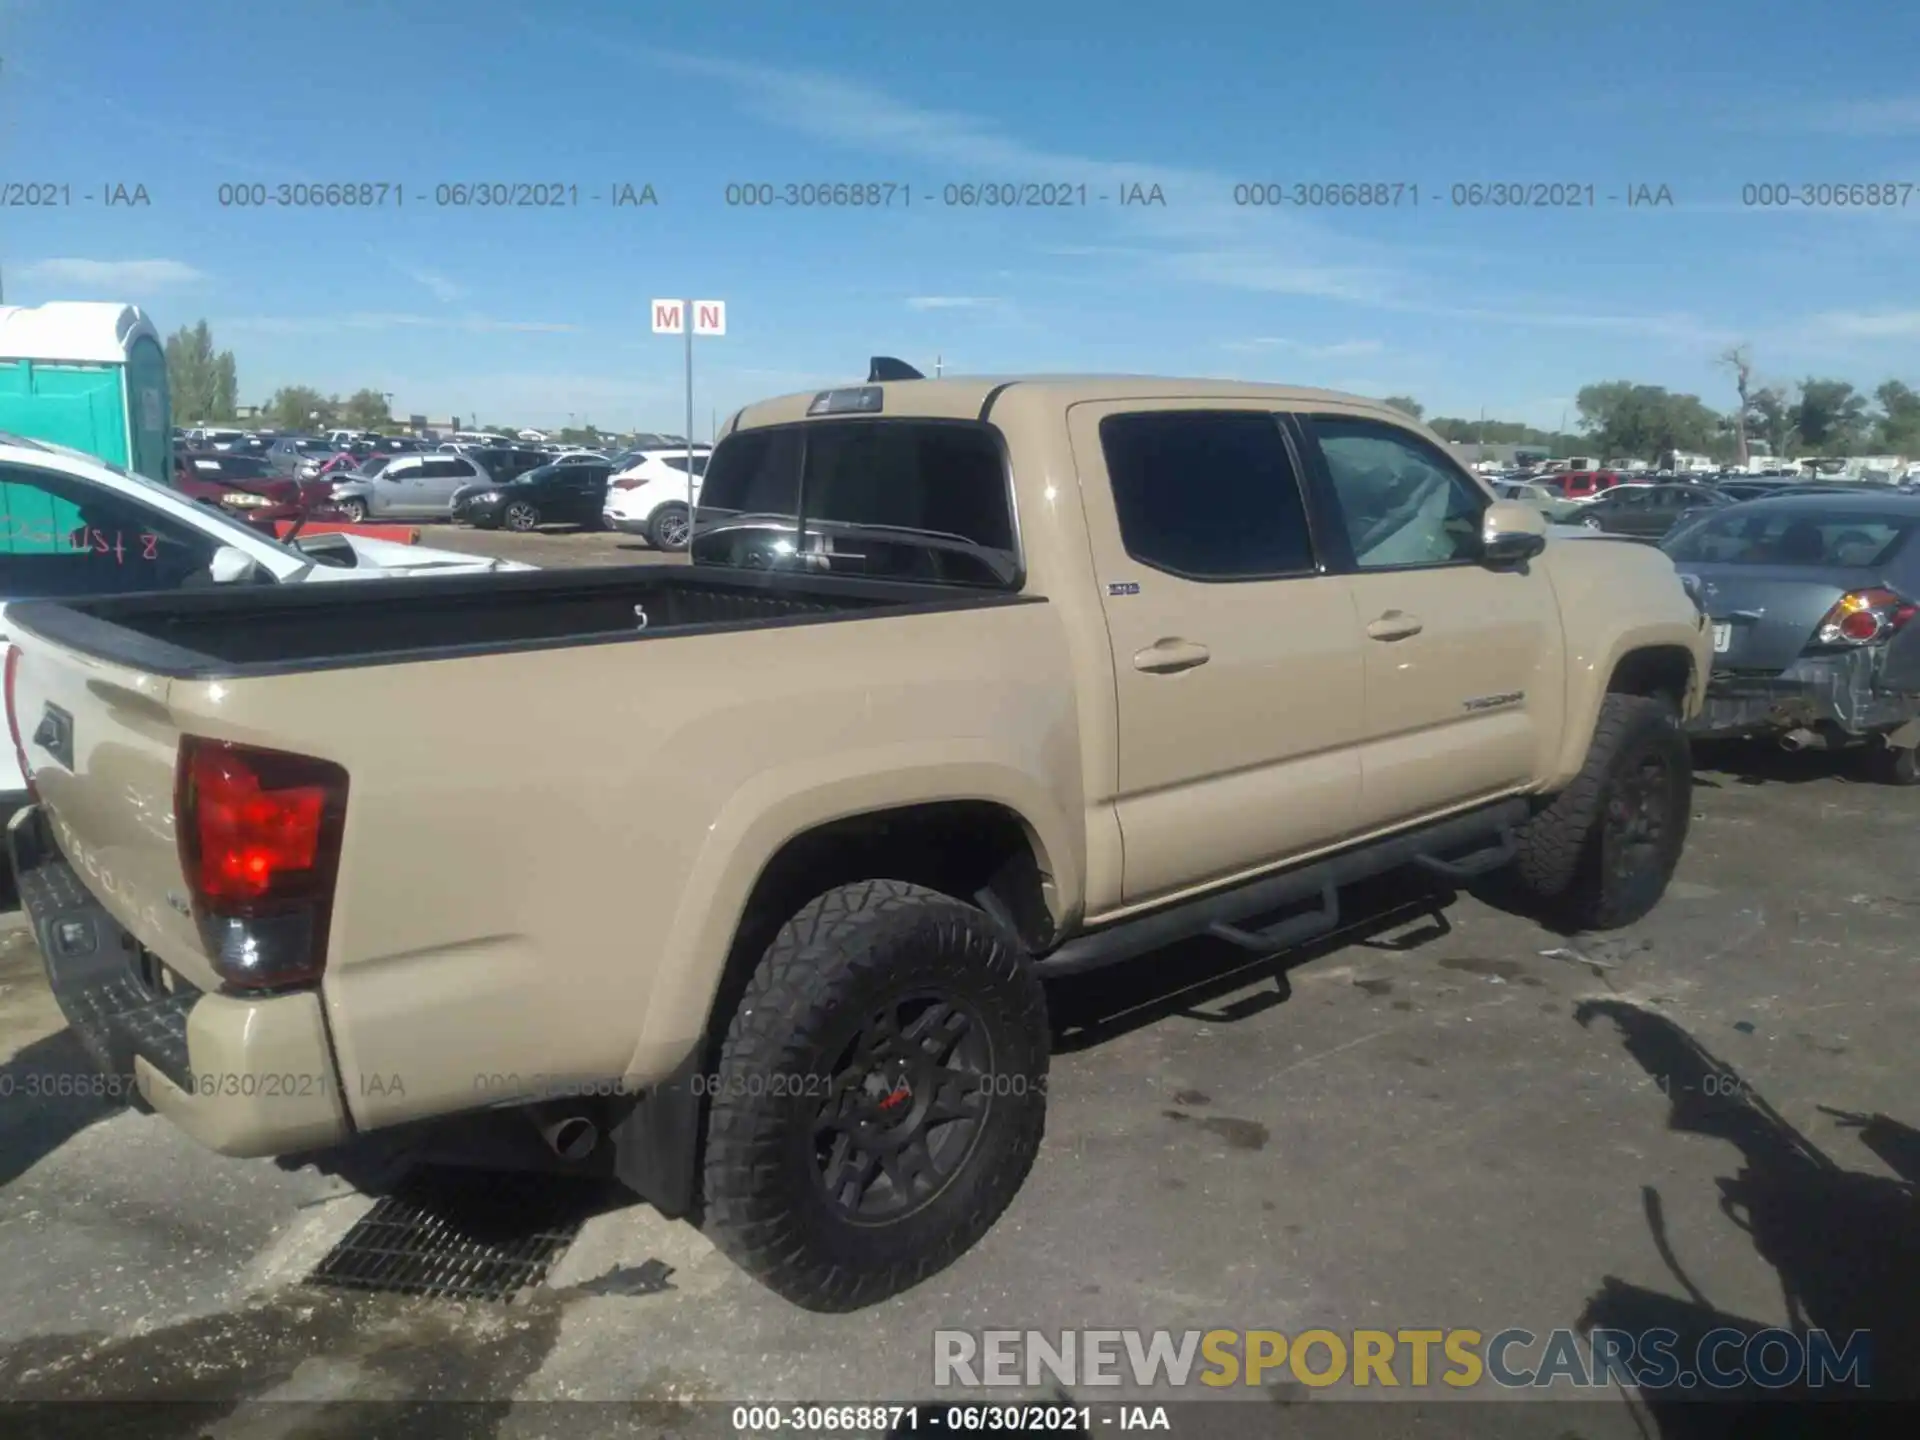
1868	324
121	276
1897	115
1340	350
383	320
950	302
442	289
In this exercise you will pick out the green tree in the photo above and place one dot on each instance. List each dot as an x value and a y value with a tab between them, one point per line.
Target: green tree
1896	429
365	410
301	407
1622	418
1770	416
200	378
1406	405
1831	416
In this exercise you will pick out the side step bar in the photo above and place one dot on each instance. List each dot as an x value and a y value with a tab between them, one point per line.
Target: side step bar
1455	850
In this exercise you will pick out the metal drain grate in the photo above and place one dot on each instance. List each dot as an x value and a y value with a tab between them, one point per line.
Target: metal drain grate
461	1234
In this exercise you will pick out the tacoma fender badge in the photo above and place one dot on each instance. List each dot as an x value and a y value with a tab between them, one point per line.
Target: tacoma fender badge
1495	702
1123	587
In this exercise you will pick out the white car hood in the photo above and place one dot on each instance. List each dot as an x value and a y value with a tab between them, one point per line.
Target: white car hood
386	559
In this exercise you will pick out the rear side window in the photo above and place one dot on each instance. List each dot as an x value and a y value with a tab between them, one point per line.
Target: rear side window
1208	495
888	499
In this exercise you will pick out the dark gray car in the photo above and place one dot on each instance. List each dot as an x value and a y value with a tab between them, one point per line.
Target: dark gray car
1812	601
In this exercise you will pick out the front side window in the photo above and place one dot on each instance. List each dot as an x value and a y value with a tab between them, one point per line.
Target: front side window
1207	495
63	537
1402	503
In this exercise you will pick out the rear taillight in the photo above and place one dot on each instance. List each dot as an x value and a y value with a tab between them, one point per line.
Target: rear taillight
259	834
13	720
629	483
1864	616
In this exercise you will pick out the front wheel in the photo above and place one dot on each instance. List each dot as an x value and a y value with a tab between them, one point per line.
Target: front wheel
1600	855
521	517
353	511
880	1095
670	527
1592	522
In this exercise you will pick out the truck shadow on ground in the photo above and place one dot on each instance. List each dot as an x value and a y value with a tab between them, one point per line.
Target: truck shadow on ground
1184	980
52	1092
1844	1243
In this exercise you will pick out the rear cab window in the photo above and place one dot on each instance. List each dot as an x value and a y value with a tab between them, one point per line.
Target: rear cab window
890	499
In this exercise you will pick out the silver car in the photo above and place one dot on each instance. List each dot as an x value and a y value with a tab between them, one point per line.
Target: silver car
1812	599
408	487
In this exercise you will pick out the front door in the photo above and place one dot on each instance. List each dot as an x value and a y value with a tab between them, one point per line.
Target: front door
1237	668
1464	664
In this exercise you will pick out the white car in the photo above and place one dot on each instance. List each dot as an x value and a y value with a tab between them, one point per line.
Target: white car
650	496
71	526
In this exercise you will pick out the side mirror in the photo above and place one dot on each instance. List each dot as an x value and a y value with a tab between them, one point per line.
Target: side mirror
231	566
1511	532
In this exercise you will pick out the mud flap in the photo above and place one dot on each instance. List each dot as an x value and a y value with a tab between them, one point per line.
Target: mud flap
656	1145
1907	737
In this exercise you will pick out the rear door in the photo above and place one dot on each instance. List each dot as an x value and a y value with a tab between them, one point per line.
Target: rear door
440	477
1464	664
1237	664
580	492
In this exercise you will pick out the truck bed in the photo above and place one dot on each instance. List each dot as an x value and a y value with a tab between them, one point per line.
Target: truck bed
234	631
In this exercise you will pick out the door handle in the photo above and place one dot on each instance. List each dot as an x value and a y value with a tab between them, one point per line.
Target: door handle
1394	625
1166	657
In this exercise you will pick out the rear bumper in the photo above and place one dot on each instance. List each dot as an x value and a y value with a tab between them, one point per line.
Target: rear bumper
1827	692
240	1076
625	524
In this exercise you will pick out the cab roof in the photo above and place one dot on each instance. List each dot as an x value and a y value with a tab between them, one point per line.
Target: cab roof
966	396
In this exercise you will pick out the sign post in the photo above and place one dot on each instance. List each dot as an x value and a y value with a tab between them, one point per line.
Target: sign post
691	318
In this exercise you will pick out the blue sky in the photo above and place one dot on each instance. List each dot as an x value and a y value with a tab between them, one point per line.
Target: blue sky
533	315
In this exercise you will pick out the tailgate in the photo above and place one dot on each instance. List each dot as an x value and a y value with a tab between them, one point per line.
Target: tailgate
100	745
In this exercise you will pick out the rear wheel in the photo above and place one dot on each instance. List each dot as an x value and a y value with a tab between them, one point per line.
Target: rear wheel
1600	855
521	516
880	1096
669	528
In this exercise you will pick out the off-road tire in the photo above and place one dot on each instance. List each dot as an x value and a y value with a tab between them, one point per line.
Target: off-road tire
657	524
1564	850
846	954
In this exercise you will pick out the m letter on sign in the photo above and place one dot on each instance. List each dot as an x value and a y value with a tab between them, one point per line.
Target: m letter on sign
667	319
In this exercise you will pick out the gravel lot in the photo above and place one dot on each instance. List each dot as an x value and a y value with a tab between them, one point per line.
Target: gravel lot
1445	1117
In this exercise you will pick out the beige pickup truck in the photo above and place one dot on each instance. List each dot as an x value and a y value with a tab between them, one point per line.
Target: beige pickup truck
744	877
